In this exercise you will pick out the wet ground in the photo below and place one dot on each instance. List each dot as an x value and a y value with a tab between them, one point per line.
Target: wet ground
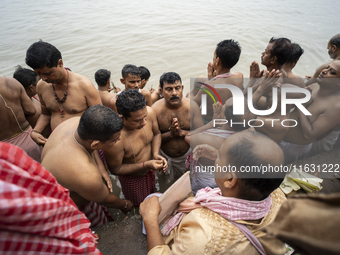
124	235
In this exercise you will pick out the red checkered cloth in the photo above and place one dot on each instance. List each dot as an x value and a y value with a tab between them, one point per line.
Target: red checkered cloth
137	188
97	214
37	215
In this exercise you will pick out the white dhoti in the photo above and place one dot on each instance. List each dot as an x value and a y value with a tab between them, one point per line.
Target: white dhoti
294	152
176	166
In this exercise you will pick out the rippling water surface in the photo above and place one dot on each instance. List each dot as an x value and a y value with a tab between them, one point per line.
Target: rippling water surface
179	36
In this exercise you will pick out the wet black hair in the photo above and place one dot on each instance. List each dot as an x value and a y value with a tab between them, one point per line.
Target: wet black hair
42	54
130	69
229	52
145	73
282	49
297	51
25	76
102	76
128	101
170	78
99	123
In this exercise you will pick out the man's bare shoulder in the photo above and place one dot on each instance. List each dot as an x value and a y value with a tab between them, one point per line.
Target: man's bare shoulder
145	92
158	105
82	80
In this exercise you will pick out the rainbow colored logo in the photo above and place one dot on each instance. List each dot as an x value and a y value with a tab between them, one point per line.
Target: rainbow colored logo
209	93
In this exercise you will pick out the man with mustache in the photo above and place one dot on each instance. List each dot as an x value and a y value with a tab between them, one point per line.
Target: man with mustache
175	116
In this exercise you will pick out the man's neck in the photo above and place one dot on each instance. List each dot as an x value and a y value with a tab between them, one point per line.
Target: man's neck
103	89
221	70
276	67
85	145
64	80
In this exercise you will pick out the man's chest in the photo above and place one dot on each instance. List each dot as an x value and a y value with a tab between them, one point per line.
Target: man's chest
165	119
135	143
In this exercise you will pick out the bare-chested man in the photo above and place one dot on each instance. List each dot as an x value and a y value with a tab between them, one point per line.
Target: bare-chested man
131	78
294	57
175	115
274	57
324	107
103	78
63	94
14	106
136	155
226	55
333	47
67	156
29	80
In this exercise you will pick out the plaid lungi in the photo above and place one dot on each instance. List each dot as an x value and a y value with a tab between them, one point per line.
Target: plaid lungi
37	215
136	188
97	214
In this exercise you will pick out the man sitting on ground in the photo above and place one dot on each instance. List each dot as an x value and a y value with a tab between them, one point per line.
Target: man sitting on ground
230	216
67	155
136	155
226	56
294	57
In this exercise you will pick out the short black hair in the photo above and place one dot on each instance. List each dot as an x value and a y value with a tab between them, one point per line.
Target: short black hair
244	154
282	48
335	40
145	73
128	101
130	69
99	123
102	76
229	52
170	78
41	54
25	76
297	51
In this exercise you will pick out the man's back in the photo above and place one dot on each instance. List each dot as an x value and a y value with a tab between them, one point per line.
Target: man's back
67	161
14	103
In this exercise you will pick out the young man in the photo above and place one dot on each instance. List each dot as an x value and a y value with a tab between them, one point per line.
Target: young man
175	116
294	57
136	155
240	206
226	56
131	78
144	75
68	157
102	77
15	105
274	57
63	94
29	80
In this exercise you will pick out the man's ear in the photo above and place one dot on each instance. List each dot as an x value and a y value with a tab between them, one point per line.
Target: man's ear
122	81
273	60
30	88
218	61
95	144
60	63
231	181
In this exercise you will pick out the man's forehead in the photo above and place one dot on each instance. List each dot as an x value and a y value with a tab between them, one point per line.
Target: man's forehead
139	114
43	70
178	82
133	77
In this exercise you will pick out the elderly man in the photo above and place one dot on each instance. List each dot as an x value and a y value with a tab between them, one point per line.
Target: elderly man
63	94
225	219
135	157
175	115
15	105
67	155
324	107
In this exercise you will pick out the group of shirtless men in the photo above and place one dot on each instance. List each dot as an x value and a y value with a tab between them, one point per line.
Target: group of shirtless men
134	132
